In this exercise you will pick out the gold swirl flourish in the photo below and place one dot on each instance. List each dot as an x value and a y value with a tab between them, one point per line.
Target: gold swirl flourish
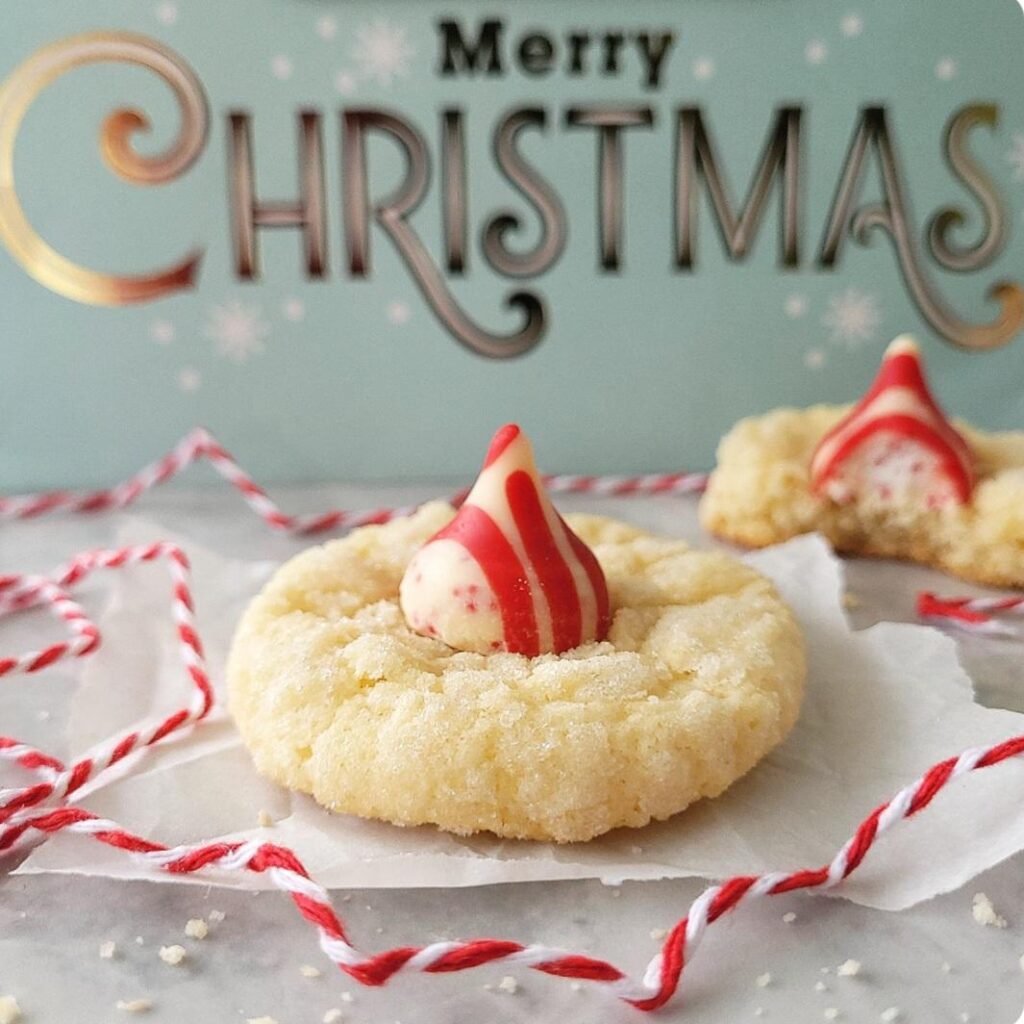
17	93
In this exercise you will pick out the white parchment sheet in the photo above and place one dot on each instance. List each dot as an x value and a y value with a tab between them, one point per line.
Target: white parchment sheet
882	705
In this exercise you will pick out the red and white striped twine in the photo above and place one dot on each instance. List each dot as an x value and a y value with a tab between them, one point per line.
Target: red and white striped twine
977	615
200	444
41	809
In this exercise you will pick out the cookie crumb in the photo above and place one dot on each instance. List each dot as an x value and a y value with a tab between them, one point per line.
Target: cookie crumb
832	1013
346	997
658	934
508	984
309	971
216	916
820	986
139	940
984	913
173	955
636	850
108	949
848	969
134	1005
1022	962
946	967
763	980
260	1020
758	1011
789	917
196	928
10	1012
826	970
851	601
888	1016
576	986
264	818
965	1017
332	1016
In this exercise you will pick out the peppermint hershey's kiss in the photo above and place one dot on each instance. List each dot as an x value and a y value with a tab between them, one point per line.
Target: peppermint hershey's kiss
507	573
896	446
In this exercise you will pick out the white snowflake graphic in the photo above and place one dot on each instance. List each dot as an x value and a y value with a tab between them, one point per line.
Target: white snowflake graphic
816	52
326	27
281	67
796	306
294	310
1016	156
167	12
814	359
345	83
703	68
852	318
852	25
189	380
382	51
945	69
238	331
399	312
162	331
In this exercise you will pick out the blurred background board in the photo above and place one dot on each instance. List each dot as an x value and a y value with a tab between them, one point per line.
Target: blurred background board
568	153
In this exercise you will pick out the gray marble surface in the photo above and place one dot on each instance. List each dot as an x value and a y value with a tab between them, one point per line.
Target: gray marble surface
51	927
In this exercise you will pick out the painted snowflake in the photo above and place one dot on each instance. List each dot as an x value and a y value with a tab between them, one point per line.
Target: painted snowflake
167	12
1016	156
399	312
703	69
852	318
345	82
382	51
238	331
816	52
796	306
189	380
814	359
852	25
326	27
162	331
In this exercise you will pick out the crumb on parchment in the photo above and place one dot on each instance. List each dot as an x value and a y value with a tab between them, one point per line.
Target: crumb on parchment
173	955
985	913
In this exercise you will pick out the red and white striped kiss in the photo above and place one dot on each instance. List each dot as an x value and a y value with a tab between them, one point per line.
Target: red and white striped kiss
507	573
896	446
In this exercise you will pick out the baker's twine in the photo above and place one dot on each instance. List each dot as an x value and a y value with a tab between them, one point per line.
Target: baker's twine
42	809
200	445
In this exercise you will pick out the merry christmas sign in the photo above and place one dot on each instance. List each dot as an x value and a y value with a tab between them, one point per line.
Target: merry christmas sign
351	238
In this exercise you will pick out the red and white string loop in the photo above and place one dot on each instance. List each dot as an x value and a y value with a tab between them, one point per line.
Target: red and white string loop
981	616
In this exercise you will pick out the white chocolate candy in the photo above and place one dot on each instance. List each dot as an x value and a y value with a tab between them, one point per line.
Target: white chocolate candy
896	446
507	574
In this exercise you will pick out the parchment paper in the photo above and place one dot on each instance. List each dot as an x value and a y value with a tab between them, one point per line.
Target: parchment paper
882	705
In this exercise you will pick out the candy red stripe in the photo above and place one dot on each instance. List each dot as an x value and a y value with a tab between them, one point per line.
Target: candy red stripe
480	536
501	440
597	583
555	576
904	426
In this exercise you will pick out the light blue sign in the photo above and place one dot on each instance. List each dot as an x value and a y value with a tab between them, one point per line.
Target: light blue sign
353	238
